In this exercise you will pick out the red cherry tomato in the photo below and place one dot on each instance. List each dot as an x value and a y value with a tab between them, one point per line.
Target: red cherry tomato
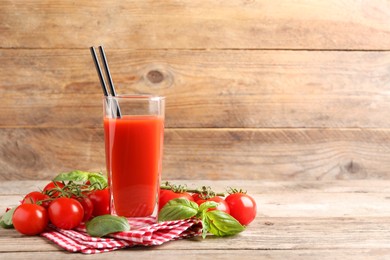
66	213
242	207
222	205
101	202
36	197
195	196
167	195
87	206
30	219
51	189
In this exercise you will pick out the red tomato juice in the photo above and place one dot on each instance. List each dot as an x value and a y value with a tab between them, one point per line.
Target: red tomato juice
134	158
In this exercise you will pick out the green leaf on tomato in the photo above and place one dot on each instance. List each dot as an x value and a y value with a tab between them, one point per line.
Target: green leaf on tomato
177	209
208	205
221	224
6	219
96	178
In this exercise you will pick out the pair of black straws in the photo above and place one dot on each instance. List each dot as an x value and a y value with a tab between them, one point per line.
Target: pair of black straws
108	75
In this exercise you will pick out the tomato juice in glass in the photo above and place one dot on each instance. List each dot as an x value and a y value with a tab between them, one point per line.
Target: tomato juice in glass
134	144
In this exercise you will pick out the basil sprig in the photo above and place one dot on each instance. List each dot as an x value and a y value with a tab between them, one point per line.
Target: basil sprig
217	222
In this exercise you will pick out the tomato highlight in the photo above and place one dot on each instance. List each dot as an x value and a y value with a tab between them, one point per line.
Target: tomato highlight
66	213
242	207
30	219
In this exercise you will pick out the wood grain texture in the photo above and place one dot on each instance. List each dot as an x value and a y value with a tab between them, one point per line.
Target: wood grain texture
236	88
263	24
262	90
257	154
153	254
264	234
343	219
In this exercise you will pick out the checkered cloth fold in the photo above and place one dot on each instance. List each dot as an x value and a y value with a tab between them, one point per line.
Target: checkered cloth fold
144	232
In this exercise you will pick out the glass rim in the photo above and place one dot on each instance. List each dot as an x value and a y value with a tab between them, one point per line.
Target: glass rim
136	97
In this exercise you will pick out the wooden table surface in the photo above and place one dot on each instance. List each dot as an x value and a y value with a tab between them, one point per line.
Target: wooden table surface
296	219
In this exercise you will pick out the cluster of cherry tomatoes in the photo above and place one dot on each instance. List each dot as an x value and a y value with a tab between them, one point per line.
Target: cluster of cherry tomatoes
67	205
238	204
63	205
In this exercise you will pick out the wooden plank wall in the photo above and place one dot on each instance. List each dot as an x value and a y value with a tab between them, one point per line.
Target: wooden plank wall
276	90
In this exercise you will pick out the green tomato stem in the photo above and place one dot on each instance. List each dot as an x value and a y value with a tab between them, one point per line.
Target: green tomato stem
205	192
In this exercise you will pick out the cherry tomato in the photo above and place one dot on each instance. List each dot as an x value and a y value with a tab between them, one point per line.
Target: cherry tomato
101	202
223	206
66	213
196	196
36	197
167	195
242	207
51	187
87	206
30	219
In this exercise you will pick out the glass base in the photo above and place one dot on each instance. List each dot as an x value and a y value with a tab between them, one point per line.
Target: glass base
137	221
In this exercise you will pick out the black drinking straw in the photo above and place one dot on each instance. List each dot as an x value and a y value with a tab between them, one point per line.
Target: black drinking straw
99	71
108	75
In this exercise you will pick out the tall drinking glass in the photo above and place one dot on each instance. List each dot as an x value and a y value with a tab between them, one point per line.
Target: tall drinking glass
133	131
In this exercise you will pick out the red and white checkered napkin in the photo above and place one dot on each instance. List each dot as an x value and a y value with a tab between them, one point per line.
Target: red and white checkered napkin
143	232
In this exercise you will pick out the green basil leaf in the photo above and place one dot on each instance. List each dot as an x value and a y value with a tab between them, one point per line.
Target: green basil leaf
95	178
205	225
203	208
6	219
222	224
78	176
178	209
106	224
208	205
